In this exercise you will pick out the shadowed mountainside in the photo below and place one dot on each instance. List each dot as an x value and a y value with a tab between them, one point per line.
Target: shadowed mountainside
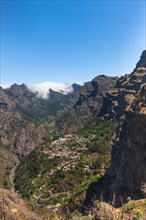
126	177
88	105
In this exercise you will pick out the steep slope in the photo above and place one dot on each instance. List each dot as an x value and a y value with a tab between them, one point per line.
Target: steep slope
88	105
8	160
142	61
17	132
117	99
60	172
33	106
129	154
126	176
14	208
26	118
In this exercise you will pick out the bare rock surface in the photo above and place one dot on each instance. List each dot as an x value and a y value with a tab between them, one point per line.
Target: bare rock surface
117	99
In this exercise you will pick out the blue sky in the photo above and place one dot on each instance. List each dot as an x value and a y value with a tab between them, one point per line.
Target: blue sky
70	41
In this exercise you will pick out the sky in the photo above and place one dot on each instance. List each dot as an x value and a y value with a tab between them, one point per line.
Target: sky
70	41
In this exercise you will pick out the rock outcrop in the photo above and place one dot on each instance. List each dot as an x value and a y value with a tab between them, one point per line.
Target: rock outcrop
88	105
14	208
17	132
127	174
126	177
142	61
117	99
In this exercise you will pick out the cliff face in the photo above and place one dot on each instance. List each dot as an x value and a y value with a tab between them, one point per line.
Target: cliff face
126	175
142	61
88	105
117	99
18	132
127	171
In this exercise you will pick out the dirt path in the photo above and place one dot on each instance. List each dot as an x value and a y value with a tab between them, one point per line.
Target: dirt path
12	174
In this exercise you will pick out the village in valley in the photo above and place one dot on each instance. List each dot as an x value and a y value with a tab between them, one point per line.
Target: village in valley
69	148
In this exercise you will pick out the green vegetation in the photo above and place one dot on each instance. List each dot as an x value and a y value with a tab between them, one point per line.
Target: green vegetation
8	160
64	180
136	209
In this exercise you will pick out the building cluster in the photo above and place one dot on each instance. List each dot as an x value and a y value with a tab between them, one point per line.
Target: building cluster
69	149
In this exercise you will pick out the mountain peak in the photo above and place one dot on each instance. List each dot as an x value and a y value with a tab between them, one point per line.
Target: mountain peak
142	61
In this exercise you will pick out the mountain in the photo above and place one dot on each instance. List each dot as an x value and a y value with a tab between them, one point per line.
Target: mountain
26	118
18	119
77	151
117	99
88	105
32	104
29	127
126	177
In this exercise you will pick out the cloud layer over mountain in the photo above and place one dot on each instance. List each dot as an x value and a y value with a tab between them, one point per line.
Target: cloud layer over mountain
42	89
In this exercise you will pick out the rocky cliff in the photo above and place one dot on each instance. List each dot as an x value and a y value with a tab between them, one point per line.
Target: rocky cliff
88	105
126	176
14	208
117	99
18	132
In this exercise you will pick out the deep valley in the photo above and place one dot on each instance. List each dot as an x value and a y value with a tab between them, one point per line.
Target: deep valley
75	156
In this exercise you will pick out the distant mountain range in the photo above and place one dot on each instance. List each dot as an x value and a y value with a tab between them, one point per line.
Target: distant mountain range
22	107
43	89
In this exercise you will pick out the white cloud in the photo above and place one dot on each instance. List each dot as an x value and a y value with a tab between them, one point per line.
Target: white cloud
80	83
6	85
43	88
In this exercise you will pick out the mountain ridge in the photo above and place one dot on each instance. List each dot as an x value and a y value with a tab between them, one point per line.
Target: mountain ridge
42	90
